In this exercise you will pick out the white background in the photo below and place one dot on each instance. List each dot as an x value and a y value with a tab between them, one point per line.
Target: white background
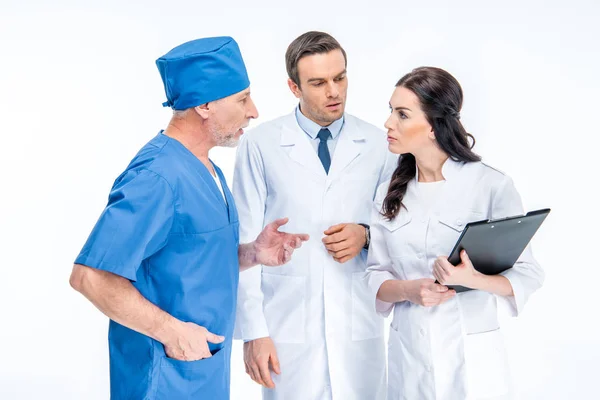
80	94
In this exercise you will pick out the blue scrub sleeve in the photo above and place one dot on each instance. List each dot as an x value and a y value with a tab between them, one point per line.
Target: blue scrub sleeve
134	225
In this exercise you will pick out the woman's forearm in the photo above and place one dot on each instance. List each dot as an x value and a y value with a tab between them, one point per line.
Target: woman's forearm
496	284
392	291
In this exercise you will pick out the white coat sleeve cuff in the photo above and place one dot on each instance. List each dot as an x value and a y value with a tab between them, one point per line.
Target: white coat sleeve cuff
374	280
516	302
257	330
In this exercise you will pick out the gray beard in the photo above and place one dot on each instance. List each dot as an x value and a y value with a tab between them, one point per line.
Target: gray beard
225	141
229	142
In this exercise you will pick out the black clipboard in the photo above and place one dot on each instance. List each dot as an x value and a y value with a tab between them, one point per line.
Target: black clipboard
495	245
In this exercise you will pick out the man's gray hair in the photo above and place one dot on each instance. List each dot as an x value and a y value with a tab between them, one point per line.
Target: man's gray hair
180	113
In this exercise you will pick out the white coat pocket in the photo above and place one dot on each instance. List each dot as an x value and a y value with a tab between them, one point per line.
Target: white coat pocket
285	307
458	220
451	226
397	238
486	363
366	323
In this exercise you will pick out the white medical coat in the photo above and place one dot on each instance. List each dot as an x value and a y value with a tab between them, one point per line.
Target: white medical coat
318	312
454	350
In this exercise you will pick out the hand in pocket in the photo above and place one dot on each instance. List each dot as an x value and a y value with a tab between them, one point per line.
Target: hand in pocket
189	342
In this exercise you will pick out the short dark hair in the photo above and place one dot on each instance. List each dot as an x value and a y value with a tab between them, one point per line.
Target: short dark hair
307	44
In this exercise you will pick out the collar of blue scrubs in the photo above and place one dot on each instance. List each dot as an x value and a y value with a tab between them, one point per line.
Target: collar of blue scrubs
312	128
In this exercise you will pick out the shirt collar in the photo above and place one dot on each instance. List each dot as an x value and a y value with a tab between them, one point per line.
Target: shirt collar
312	128
449	169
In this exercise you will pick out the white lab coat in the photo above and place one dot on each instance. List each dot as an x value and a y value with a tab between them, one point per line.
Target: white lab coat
318	312
455	350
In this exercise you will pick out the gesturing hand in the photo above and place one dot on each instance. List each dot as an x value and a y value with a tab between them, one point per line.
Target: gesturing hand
274	248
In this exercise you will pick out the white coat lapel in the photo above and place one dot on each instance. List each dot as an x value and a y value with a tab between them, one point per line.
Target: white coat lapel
298	147
349	146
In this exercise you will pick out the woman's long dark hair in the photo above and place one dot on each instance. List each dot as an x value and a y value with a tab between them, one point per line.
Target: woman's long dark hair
440	97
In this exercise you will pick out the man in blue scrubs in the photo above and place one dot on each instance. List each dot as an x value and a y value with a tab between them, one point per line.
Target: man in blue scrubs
163	260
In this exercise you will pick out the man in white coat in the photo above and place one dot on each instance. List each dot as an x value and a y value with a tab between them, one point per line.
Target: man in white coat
312	322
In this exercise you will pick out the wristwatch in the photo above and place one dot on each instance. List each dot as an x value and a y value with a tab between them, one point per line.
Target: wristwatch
367	235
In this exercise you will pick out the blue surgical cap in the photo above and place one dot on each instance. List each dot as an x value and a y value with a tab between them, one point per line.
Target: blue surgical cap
202	71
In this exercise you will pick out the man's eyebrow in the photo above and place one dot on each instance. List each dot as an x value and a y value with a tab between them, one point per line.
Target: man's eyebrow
322	79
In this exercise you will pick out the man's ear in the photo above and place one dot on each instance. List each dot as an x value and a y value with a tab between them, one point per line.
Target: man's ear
203	111
294	88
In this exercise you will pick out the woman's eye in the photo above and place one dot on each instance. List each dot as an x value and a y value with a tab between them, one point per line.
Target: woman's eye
402	115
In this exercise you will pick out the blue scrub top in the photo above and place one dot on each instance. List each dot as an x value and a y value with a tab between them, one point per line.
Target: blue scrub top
168	229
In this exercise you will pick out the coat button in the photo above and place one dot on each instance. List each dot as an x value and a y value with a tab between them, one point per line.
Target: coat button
428	368
459	222
422	332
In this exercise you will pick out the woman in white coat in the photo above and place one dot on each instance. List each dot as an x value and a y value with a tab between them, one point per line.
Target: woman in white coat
442	345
